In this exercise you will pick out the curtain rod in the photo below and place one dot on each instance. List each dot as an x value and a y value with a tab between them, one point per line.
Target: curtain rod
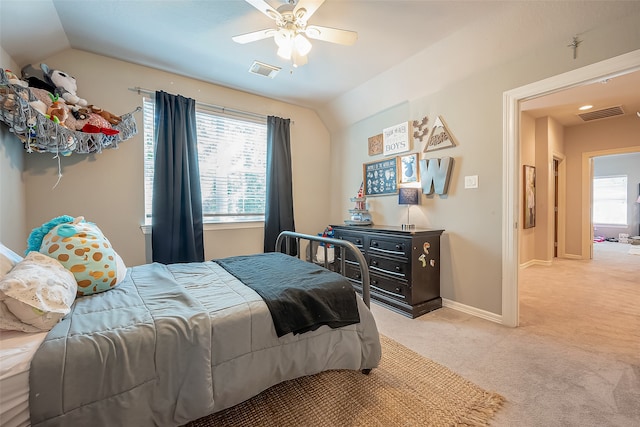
202	104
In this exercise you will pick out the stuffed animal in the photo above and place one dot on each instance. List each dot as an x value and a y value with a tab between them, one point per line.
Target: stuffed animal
65	85
58	112
111	118
98	124
43	100
35	78
14	80
83	249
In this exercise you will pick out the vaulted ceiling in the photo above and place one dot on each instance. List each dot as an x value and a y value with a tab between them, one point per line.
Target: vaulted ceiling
194	38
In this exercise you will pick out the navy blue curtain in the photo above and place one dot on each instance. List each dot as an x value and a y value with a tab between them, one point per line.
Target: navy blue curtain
279	193
177	201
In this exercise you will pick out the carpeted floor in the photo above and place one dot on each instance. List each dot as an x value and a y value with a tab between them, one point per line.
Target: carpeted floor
574	360
405	390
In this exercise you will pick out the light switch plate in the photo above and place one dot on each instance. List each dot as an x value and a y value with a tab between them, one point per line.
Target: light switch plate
471	181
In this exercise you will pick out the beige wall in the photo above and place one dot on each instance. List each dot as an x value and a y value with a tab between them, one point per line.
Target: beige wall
12	189
471	265
596	137
107	188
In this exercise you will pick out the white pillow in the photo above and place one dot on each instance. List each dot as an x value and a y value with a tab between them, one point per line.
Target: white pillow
8	259
37	293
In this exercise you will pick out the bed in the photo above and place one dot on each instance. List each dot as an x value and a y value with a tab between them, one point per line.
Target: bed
203	341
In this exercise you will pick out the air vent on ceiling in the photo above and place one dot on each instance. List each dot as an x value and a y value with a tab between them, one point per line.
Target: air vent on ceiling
602	114
263	69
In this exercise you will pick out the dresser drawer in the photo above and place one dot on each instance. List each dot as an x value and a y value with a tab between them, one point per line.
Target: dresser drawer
389	246
396	268
390	287
355	238
351	271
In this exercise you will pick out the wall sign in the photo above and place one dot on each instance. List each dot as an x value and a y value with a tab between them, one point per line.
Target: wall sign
380	178
435	175
440	137
375	145
397	139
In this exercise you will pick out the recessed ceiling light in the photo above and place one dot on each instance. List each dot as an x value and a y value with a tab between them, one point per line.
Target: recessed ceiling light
585	107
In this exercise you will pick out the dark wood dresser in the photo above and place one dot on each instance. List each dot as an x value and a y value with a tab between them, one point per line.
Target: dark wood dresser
404	266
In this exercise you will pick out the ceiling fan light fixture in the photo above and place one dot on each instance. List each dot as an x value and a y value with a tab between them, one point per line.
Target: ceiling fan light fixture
302	45
298	60
284	52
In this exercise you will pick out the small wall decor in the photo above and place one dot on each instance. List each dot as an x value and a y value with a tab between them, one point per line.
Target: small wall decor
408	168
435	175
529	208
375	145
380	178
441	136
420	130
397	139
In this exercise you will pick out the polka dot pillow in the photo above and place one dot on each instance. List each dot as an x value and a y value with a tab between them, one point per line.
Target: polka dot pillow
83	250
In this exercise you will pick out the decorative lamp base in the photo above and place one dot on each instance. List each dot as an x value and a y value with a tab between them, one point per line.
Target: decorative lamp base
408	226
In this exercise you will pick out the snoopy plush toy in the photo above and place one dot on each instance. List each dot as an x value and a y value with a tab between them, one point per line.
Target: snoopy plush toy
65	85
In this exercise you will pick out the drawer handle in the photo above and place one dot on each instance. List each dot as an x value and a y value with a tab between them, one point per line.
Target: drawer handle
386	251
384	291
374	244
399	247
387	271
374	262
374	282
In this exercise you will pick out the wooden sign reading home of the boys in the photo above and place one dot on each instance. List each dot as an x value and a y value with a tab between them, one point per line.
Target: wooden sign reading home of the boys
397	139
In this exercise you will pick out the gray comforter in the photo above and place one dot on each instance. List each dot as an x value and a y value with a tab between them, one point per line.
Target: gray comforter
175	343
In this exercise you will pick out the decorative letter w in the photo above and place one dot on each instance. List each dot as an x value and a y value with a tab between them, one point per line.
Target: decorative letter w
435	174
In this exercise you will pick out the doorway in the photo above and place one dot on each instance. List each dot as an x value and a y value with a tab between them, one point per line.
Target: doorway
511	190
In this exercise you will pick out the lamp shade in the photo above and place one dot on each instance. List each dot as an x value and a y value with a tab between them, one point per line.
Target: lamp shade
408	196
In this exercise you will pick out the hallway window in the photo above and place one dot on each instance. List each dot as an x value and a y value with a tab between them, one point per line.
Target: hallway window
610	200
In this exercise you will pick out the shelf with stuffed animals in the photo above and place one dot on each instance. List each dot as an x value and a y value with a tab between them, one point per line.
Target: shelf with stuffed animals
43	110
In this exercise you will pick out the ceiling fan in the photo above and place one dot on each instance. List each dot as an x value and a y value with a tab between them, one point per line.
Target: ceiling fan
292	32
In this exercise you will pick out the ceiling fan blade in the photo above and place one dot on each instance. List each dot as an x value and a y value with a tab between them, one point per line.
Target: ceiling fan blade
263	7
332	35
254	36
309	6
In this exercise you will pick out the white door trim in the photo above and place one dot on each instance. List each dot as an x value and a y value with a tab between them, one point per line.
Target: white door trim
510	160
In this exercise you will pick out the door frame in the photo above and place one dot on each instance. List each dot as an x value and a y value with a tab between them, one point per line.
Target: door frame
609	68
587	194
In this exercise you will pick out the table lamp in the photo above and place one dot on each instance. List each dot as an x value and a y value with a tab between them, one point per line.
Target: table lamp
409	197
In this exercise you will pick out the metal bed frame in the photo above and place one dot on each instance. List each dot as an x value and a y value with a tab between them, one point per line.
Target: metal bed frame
287	237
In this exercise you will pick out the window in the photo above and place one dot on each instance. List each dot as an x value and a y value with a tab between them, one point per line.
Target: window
232	153
610	200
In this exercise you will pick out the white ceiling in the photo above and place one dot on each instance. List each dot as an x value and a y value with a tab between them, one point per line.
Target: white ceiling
193	38
623	91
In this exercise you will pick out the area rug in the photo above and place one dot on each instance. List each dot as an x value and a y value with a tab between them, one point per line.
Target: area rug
407	389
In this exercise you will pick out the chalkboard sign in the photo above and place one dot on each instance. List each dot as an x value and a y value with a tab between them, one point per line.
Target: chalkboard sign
381	177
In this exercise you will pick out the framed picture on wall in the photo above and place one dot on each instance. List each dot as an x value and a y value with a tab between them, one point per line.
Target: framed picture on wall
408	168
529	207
380	178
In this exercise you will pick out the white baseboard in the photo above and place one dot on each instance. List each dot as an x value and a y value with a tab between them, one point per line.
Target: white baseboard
497	318
534	262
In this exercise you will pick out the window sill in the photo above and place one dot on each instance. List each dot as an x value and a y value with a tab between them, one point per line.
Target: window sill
610	226
212	226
